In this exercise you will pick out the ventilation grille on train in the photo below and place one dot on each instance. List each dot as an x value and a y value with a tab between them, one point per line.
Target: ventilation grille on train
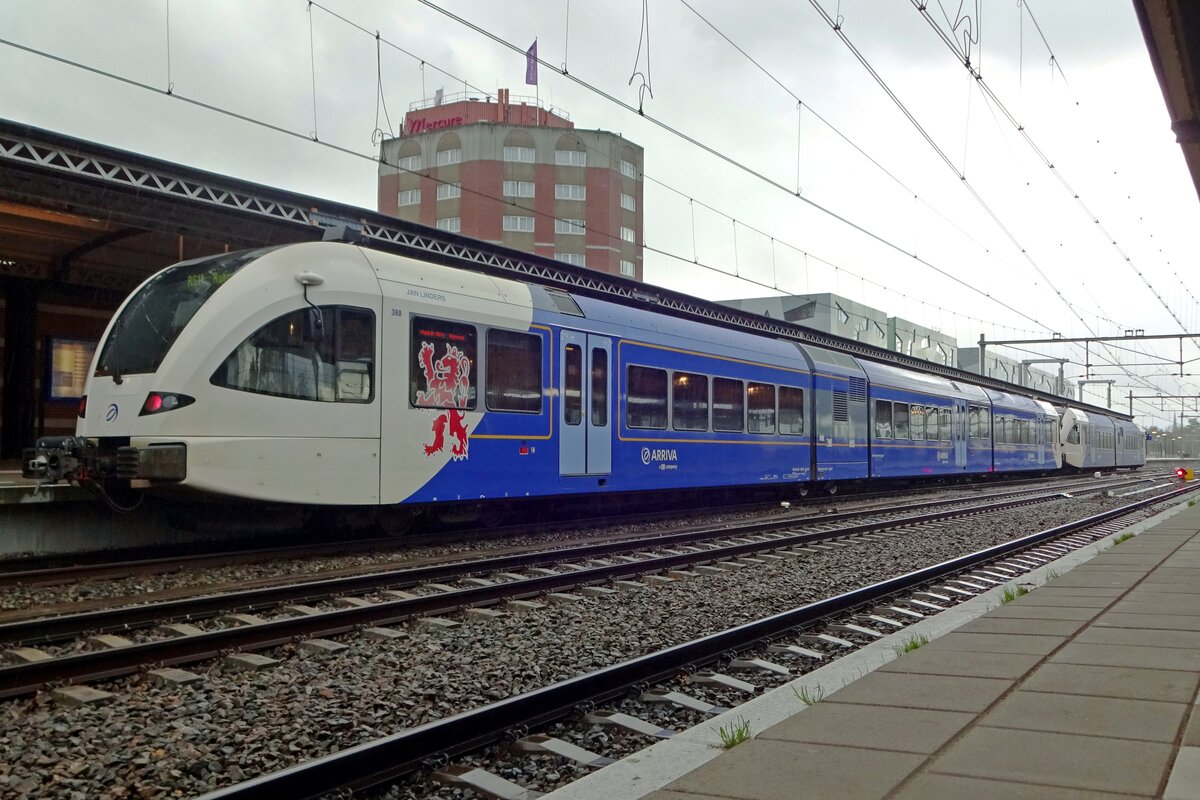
841	410
858	390
564	302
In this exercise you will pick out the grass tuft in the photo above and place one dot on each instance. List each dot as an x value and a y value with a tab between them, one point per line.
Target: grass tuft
1012	593
734	734
1191	502
809	697
1124	537
912	643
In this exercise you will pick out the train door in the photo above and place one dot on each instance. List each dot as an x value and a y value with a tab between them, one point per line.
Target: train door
584	418
958	431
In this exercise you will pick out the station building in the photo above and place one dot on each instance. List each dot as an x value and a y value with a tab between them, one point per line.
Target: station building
507	171
841	316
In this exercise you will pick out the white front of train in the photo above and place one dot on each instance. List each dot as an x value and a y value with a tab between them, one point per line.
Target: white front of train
1074	437
248	375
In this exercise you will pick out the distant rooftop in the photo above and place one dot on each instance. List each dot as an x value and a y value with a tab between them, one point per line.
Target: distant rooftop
477	97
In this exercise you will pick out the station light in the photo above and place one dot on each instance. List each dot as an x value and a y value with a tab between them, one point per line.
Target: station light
158	402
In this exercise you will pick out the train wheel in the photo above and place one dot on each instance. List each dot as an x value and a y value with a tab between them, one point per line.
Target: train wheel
493	515
831	488
396	522
803	491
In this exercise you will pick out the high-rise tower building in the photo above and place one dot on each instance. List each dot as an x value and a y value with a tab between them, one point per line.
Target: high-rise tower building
507	171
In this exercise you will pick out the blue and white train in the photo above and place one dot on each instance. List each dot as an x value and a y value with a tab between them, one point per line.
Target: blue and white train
326	374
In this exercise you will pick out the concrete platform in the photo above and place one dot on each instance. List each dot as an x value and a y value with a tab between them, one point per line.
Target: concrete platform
1084	688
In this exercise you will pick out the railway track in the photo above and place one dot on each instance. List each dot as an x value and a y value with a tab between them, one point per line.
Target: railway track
586	566
58	569
652	678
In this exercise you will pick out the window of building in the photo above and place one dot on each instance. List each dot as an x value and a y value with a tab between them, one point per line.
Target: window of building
689	401
760	403
646	392
451	156
569	226
306	354
627	268
578	259
518	188
570	158
449	191
524	155
410	163
514	371
842	316
513	222
628	234
450	224
409	197
627	202
570	191
883	419
628	169
445	351
791	410
728	405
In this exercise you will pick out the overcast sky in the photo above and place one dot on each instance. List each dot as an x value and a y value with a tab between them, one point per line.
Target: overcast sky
1008	252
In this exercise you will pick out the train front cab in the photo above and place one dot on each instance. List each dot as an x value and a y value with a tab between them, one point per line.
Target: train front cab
1088	440
919	424
1023	433
265	395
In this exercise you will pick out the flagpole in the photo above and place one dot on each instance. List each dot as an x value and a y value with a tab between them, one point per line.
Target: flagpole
537	92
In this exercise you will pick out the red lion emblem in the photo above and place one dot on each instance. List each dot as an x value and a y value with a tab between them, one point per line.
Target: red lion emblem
448	383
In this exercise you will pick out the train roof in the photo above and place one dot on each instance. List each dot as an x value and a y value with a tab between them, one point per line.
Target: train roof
899	378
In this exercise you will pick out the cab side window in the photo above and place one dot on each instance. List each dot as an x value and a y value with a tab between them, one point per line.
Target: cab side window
325	354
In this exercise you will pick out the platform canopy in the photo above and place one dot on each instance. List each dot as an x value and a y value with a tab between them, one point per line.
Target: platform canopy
1172	31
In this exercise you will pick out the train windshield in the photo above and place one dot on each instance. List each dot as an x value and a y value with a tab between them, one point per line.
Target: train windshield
153	318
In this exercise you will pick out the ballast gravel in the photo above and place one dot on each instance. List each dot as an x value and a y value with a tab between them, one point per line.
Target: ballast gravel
211	580
153	741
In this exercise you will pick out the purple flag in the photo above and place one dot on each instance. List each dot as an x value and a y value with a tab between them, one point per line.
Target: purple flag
531	64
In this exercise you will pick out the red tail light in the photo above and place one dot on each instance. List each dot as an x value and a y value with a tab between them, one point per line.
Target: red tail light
159	402
83	407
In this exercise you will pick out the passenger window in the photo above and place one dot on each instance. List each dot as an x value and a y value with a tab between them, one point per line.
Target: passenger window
791	410
883	419
646	406
900	418
514	371
760	400
973	422
305	355
728	405
689	401
599	387
573	385
916	422
944	424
